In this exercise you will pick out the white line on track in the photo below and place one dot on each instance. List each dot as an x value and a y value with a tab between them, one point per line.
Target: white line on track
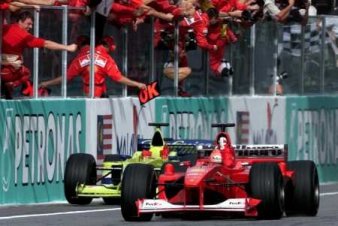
329	193
92	211
58	213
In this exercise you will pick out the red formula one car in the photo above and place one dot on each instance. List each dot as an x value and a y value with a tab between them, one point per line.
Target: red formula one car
255	180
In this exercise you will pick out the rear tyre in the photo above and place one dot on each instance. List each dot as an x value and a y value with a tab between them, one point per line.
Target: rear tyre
138	182
266	184
302	196
80	169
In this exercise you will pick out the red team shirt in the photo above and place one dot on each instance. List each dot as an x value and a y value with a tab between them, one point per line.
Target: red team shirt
196	23
124	14
4	5
228	5
16	39
165	7
123	11
104	66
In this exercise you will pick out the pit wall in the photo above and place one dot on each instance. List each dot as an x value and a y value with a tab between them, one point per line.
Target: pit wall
37	136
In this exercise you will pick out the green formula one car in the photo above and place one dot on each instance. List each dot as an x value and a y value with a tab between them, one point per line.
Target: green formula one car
81	183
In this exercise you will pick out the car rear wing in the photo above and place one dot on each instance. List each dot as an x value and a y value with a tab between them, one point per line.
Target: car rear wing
251	150
261	151
158	124
170	142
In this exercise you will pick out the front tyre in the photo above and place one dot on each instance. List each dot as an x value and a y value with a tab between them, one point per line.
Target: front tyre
266	184
80	169
138	182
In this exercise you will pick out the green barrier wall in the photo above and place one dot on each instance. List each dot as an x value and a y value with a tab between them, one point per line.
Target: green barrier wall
37	136
191	118
311	133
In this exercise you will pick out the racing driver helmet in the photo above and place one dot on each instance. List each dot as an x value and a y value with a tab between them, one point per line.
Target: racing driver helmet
222	142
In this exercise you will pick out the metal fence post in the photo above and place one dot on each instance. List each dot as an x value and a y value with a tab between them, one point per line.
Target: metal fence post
322	54
230	78
206	76
152	52
275	59
36	55
176	57
64	52
302	59
92	57
252	59
125	58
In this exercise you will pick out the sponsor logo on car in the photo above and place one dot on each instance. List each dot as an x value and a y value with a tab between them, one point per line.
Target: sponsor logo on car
235	203
152	204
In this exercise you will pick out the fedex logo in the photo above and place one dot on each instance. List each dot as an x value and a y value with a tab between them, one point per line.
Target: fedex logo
151	203
234	203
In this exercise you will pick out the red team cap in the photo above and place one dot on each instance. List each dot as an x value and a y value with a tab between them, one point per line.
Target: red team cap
109	40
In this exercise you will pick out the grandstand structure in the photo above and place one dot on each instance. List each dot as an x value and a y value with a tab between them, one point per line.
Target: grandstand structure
307	53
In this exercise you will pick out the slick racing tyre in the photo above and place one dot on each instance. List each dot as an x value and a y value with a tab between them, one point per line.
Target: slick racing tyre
80	169
138	182
266	184
302	193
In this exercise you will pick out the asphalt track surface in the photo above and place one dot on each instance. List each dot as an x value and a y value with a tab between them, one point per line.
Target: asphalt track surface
97	214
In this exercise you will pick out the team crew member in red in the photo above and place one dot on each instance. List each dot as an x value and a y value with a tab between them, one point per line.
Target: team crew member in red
166	7
220	35
190	25
210	39
104	66
15	39
232	8
124	12
163	38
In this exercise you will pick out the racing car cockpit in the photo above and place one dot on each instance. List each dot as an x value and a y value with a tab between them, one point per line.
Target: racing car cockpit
223	152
